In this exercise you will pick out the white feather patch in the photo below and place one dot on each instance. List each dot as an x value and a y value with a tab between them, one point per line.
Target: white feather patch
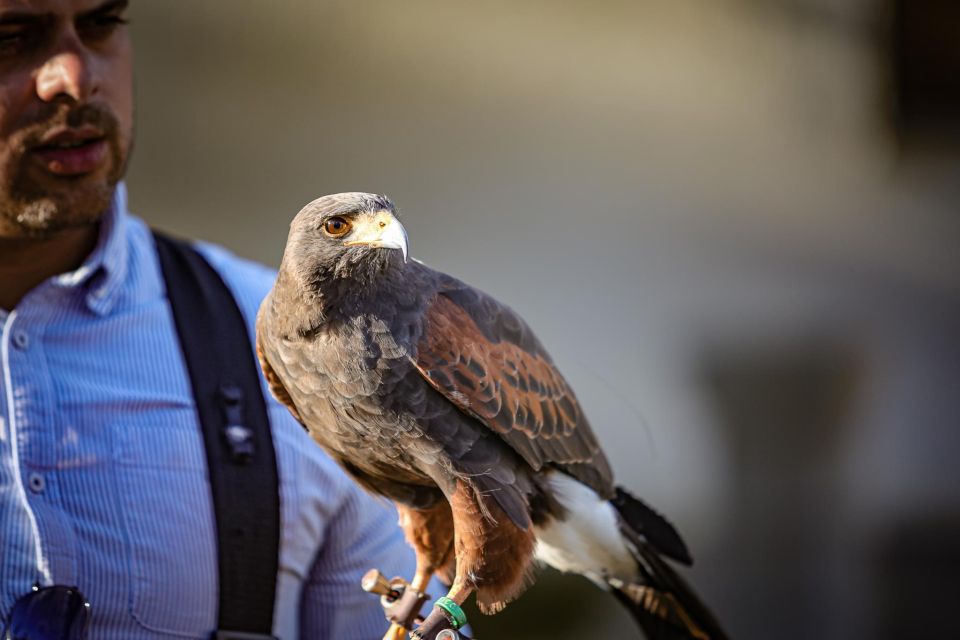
588	542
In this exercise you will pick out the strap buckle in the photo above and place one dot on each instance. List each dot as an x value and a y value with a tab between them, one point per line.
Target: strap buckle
238	436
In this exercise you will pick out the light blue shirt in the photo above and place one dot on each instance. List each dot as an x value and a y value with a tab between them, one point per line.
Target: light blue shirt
103	479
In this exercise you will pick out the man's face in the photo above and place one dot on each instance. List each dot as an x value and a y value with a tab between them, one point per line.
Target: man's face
66	112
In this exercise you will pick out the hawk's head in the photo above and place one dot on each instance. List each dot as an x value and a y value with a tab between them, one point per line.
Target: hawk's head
345	240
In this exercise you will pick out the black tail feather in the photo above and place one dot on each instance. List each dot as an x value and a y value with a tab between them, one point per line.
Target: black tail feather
662	604
655	529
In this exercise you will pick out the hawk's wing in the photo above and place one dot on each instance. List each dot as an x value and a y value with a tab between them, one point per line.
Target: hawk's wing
484	358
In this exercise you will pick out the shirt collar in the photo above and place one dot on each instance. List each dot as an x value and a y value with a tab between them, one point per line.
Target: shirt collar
104	271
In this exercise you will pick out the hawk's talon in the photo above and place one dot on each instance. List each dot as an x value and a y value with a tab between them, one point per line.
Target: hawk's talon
405	610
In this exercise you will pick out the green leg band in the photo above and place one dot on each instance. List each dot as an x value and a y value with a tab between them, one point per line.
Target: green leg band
456	615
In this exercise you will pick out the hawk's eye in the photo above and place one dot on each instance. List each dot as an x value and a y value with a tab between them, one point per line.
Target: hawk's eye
336	226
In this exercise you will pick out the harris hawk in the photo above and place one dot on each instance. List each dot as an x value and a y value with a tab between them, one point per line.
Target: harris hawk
437	396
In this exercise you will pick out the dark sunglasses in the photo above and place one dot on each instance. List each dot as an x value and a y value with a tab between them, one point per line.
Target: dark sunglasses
49	613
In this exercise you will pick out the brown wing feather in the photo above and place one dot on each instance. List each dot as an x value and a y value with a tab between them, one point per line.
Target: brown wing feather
483	358
276	386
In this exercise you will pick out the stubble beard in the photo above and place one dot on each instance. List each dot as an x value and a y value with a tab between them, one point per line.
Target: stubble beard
41	208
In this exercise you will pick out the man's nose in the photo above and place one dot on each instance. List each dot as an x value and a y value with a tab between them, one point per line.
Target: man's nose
66	73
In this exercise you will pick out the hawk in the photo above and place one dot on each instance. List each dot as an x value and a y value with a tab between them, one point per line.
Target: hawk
437	396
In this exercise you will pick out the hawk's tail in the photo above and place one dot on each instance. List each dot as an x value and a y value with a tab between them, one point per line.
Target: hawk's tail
661	602
621	545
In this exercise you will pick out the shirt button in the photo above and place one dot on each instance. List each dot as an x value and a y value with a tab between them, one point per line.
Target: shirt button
21	340
37	482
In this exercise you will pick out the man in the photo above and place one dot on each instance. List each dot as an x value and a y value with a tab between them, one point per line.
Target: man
103	479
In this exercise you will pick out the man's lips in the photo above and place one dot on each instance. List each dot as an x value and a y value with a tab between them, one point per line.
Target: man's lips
72	152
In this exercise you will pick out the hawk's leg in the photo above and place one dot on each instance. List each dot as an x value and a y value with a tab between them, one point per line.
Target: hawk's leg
430	533
492	558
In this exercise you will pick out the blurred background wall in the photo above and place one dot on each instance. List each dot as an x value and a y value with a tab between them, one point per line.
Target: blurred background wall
733	222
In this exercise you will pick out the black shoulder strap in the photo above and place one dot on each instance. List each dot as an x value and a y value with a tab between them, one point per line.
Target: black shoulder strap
236	432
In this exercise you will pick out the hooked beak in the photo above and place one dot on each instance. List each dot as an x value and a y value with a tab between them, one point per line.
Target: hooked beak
385	232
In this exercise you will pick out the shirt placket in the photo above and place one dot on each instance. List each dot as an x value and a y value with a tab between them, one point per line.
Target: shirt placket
32	425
